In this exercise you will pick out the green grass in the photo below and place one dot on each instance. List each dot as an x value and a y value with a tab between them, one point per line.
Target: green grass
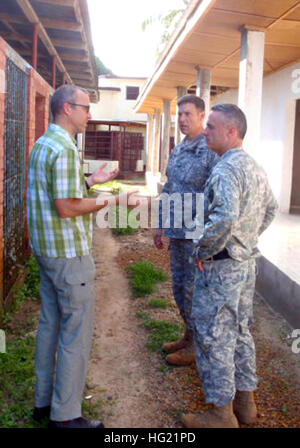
128	230
17	380
29	290
143	315
115	186
17	374
91	410
143	278
160	331
158	303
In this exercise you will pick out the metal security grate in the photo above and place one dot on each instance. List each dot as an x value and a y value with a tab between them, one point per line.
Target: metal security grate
14	173
132	150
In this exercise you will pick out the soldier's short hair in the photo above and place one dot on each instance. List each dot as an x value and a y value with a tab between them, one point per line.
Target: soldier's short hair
234	115
64	94
196	100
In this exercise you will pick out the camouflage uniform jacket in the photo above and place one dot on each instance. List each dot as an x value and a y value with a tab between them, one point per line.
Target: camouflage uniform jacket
239	206
189	167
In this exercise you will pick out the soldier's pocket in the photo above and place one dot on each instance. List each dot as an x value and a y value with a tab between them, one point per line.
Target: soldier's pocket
230	274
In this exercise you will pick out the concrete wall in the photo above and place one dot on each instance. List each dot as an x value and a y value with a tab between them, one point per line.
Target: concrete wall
276	149
113	105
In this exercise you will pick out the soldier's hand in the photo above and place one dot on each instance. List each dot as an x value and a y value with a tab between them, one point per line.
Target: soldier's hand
157	239
200	265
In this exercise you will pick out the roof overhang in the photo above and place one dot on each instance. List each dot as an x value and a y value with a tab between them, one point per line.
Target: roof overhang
209	36
63	32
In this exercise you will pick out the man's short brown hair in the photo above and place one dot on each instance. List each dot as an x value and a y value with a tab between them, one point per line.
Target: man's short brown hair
196	100
64	94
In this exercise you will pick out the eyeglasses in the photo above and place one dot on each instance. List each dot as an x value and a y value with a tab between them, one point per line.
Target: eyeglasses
87	108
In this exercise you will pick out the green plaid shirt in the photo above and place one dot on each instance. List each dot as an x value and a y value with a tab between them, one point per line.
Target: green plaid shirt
55	172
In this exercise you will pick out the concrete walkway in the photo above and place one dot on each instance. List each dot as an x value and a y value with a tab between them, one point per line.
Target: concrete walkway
279	268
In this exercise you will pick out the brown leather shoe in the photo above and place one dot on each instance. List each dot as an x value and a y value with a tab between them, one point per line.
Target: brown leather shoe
173	346
183	357
244	407
217	417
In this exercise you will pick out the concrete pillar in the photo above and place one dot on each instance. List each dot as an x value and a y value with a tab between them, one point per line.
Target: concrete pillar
250	84
166	137
156	149
181	91
149	143
205	88
198	88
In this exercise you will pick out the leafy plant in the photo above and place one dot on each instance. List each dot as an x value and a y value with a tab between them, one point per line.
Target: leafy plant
30	289
120	230
159	303
17	380
143	278
160	331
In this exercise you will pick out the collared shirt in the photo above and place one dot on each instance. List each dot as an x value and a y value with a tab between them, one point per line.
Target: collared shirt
239	206
55	172
189	167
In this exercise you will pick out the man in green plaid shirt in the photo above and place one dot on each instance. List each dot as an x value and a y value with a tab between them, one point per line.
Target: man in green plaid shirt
60	225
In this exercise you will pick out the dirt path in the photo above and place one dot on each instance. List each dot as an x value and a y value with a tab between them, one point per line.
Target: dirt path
135	387
119	364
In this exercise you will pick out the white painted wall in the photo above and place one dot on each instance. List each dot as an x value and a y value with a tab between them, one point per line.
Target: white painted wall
276	147
113	104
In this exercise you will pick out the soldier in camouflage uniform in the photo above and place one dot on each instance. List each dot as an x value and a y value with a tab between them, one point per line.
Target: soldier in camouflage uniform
189	167
239	206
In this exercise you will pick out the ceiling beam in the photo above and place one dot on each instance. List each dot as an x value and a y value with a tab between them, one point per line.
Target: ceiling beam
282	44
242	13
14	36
76	75
13	18
236	51
84	83
77	67
58	2
33	18
285	14
68	43
71	57
61	25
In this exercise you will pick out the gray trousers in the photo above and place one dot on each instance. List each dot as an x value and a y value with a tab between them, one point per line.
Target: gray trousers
64	333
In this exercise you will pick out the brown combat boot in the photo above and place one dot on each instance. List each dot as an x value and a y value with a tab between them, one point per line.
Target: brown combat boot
183	357
244	407
217	417
173	346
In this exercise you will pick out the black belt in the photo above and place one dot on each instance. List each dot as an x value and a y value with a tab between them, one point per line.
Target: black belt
221	255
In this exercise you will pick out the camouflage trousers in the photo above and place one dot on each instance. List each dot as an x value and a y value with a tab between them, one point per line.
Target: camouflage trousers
183	274
222	314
